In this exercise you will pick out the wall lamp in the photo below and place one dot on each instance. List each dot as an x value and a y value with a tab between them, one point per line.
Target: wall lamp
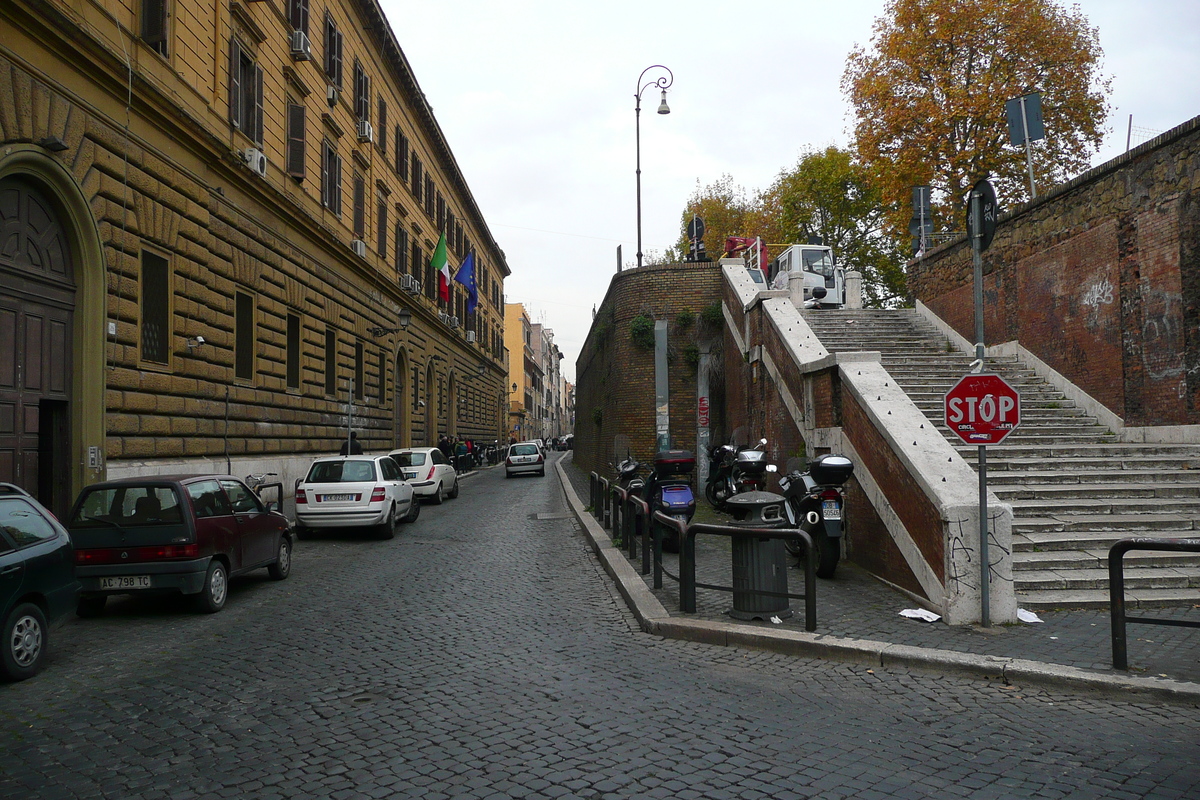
404	317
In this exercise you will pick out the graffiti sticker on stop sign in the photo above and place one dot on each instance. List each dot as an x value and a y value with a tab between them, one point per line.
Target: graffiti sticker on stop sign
983	409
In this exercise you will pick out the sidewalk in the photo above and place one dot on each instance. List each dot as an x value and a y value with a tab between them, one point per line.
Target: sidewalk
858	620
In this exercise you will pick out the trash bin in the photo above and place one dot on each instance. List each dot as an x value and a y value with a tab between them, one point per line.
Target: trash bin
758	564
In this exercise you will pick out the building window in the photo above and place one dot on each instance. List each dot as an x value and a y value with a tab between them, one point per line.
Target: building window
429	195
416	384
416	178
362	93
381	226
243	337
245	91
360	207
401	249
418	256
401	155
381	132
154	25
293	351
295	140
382	377
330	362
358	370
331	178
333	52
441	213
156	308
298	14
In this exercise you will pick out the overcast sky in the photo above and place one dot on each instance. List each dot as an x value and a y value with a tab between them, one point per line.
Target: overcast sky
536	99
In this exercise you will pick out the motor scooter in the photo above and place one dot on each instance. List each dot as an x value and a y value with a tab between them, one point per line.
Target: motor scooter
815	501
669	490
734	470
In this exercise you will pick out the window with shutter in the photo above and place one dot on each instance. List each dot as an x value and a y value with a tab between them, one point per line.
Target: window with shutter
257	103
330	361
360	206
381	133
416	178
155	308
154	25
381	226
429	196
401	154
235	83
401	249
441	212
298	14
358	370
331	179
243	337
295	140
362	93
293	351
333	52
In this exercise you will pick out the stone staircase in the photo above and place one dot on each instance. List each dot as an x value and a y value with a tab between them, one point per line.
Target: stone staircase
1074	488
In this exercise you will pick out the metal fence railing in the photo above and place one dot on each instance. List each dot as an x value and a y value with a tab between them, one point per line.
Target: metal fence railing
1116	590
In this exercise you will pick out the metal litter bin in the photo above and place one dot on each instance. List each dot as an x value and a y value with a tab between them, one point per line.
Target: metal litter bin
758	564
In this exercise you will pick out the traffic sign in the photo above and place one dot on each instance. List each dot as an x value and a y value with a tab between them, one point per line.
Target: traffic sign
982	409
991	210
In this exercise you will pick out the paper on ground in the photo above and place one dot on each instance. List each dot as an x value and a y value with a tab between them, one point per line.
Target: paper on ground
1027	616
921	614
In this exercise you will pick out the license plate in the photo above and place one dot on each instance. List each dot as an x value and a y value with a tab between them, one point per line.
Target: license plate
126	582
409	475
831	509
330	498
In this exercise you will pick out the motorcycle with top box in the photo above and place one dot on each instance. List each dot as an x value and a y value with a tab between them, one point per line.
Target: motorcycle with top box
815	500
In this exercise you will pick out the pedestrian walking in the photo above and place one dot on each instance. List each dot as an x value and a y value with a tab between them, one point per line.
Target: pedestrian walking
351	446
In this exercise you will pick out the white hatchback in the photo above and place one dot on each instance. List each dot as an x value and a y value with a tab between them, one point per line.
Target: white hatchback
524	457
428	471
355	491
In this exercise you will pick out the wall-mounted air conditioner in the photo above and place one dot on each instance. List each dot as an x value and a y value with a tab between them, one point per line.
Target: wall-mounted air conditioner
331	94
409	284
301	48
365	132
359	247
452	322
256	160
471	337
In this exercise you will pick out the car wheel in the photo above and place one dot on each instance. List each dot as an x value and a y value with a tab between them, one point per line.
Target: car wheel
507	474
388	529
89	607
454	489
26	637
542	473
414	511
283	561
301	532
211	598
437	496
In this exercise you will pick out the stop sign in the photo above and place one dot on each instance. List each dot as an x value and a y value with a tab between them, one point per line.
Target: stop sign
983	409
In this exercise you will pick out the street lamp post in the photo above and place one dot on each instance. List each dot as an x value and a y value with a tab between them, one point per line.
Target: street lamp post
663	82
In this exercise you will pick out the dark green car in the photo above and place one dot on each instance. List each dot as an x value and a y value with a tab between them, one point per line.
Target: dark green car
37	581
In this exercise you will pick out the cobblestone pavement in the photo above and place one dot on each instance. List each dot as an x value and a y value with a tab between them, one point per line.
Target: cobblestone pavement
483	654
854	605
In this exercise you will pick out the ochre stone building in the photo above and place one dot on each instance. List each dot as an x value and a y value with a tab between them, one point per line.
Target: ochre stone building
212	216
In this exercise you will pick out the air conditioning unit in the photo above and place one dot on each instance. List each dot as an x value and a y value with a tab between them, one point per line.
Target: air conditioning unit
359	247
257	161
471	337
452	322
365	132
331	94
409	284
301	48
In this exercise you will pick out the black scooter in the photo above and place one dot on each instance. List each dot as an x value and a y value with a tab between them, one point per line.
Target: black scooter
733	470
815	501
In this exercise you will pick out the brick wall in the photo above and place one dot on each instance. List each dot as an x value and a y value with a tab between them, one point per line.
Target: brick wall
616	376
1099	278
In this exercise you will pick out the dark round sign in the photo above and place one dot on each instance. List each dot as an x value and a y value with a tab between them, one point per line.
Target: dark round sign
991	210
695	228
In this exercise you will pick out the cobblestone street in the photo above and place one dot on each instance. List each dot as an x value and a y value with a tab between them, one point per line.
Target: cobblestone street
484	653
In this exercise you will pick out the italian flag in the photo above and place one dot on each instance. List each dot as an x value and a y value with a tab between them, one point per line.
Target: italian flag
441	266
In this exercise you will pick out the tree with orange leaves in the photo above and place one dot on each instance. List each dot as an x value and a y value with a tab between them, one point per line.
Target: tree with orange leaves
929	97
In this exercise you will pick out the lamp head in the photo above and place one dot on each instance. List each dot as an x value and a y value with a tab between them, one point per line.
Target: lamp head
663	108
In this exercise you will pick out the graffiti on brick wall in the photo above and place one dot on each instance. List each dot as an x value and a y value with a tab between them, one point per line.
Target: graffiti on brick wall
961	571
1098	294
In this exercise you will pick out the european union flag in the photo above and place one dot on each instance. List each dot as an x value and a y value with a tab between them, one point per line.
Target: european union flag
466	276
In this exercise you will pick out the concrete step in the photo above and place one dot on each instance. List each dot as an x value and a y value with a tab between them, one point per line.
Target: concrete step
1094	578
1085	491
1080	528
1098	559
1114	507
1079	477
1049	599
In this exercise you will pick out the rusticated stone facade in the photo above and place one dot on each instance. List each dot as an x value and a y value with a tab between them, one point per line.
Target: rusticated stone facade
130	154
1099	278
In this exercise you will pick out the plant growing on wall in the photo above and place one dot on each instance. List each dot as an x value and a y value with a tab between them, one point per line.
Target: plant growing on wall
684	319
598	416
641	331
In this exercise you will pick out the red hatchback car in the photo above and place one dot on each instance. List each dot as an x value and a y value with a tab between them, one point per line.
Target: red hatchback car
186	534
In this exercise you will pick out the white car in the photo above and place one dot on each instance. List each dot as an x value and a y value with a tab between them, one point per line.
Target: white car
355	491
428	471
524	457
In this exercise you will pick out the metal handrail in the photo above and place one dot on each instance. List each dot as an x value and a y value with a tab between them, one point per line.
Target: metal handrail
687	562
1116	590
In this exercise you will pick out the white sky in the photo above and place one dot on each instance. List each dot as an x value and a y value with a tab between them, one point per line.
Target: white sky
536	99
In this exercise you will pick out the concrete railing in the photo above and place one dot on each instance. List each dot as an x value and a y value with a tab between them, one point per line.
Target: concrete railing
922	531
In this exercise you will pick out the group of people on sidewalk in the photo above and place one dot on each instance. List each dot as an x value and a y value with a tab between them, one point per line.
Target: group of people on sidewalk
464	454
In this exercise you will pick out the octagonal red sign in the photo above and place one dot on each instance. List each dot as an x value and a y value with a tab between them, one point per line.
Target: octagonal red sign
982	409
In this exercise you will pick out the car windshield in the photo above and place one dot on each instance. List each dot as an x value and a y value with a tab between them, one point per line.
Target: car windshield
22	522
130	505
342	472
524	450
409	459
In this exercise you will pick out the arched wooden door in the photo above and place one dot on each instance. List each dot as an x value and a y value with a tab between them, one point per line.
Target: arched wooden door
37	302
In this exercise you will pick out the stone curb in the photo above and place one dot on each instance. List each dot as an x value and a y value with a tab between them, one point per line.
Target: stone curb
653	618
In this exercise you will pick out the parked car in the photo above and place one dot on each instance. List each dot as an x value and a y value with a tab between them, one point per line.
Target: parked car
355	491
428	471
524	457
37	581
185	534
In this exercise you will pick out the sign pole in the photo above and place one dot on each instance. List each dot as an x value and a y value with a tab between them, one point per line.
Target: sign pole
1028	154
977	260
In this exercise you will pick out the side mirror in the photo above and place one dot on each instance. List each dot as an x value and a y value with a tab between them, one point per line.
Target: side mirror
272	507
762	441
